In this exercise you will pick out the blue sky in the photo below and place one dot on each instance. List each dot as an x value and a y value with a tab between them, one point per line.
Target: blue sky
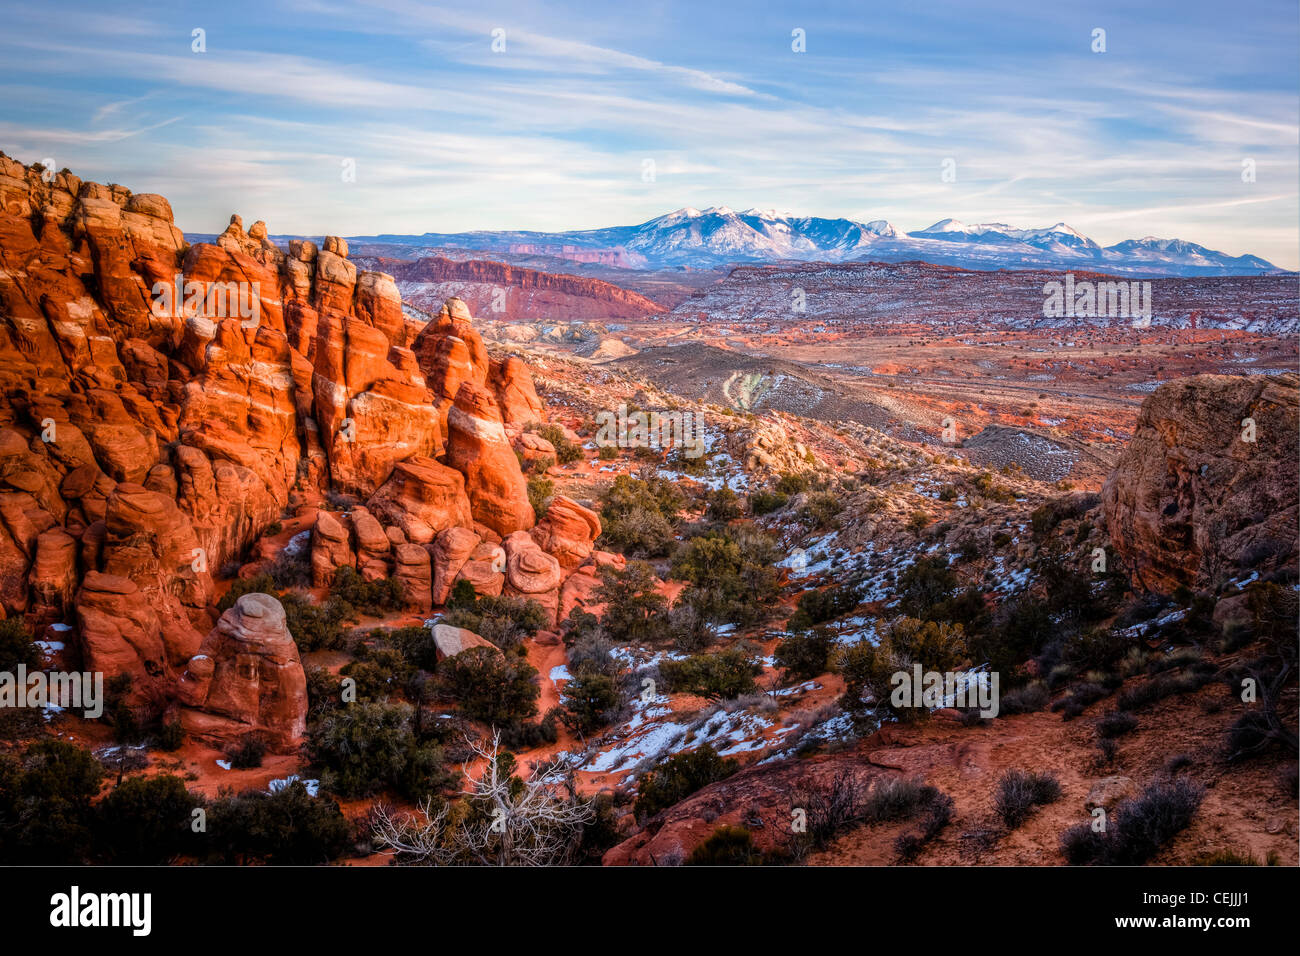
554	132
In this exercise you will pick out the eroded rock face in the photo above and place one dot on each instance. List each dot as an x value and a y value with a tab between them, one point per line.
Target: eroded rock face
1191	499
331	549
413	570
422	497
568	531
477	447
532	573
148	439
246	678
449	552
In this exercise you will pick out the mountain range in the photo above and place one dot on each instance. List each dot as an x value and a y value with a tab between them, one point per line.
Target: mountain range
718	236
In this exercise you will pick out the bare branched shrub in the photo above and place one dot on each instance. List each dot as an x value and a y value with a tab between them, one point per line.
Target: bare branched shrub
502	820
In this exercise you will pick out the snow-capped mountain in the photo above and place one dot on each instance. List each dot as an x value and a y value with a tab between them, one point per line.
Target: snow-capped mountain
719	236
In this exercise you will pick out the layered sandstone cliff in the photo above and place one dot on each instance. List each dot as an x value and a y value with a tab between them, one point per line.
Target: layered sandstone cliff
508	293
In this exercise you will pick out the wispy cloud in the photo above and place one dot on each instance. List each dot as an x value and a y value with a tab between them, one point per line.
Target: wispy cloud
554	132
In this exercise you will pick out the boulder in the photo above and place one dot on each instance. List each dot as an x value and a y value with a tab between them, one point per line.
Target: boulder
449	551
247	678
567	532
450	641
1207	485
330	549
412	570
485	570
422	497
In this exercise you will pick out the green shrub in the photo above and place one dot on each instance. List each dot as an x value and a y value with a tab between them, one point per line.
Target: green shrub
724	675
639	516
818	606
821	510
633	604
363	748
1116	724
868	669
145	821
793	484
17	646
731	573
675	779
805	656
247	753
766	502
590	700
372	597
722	504
540	491
566	451
496	688
1139	827
45	803
727	846
505	621
286	828
170	736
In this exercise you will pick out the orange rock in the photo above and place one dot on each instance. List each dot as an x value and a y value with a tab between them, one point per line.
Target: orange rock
532	573
512	383
485	570
567	532
449	552
247	678
413	571
330	549
422	497
478	448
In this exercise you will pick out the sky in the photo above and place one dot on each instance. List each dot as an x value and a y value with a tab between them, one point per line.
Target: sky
610	113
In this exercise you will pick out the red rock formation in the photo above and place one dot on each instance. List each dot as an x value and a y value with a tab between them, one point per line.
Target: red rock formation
534	447
164	402
568	531
422	497
247	678
413	571
372	545
449	552
512	383
484	570
1190	499
532	573
330	549
511	293
477	447
120	634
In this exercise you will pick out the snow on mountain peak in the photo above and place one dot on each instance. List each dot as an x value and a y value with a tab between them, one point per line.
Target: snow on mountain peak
946	225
